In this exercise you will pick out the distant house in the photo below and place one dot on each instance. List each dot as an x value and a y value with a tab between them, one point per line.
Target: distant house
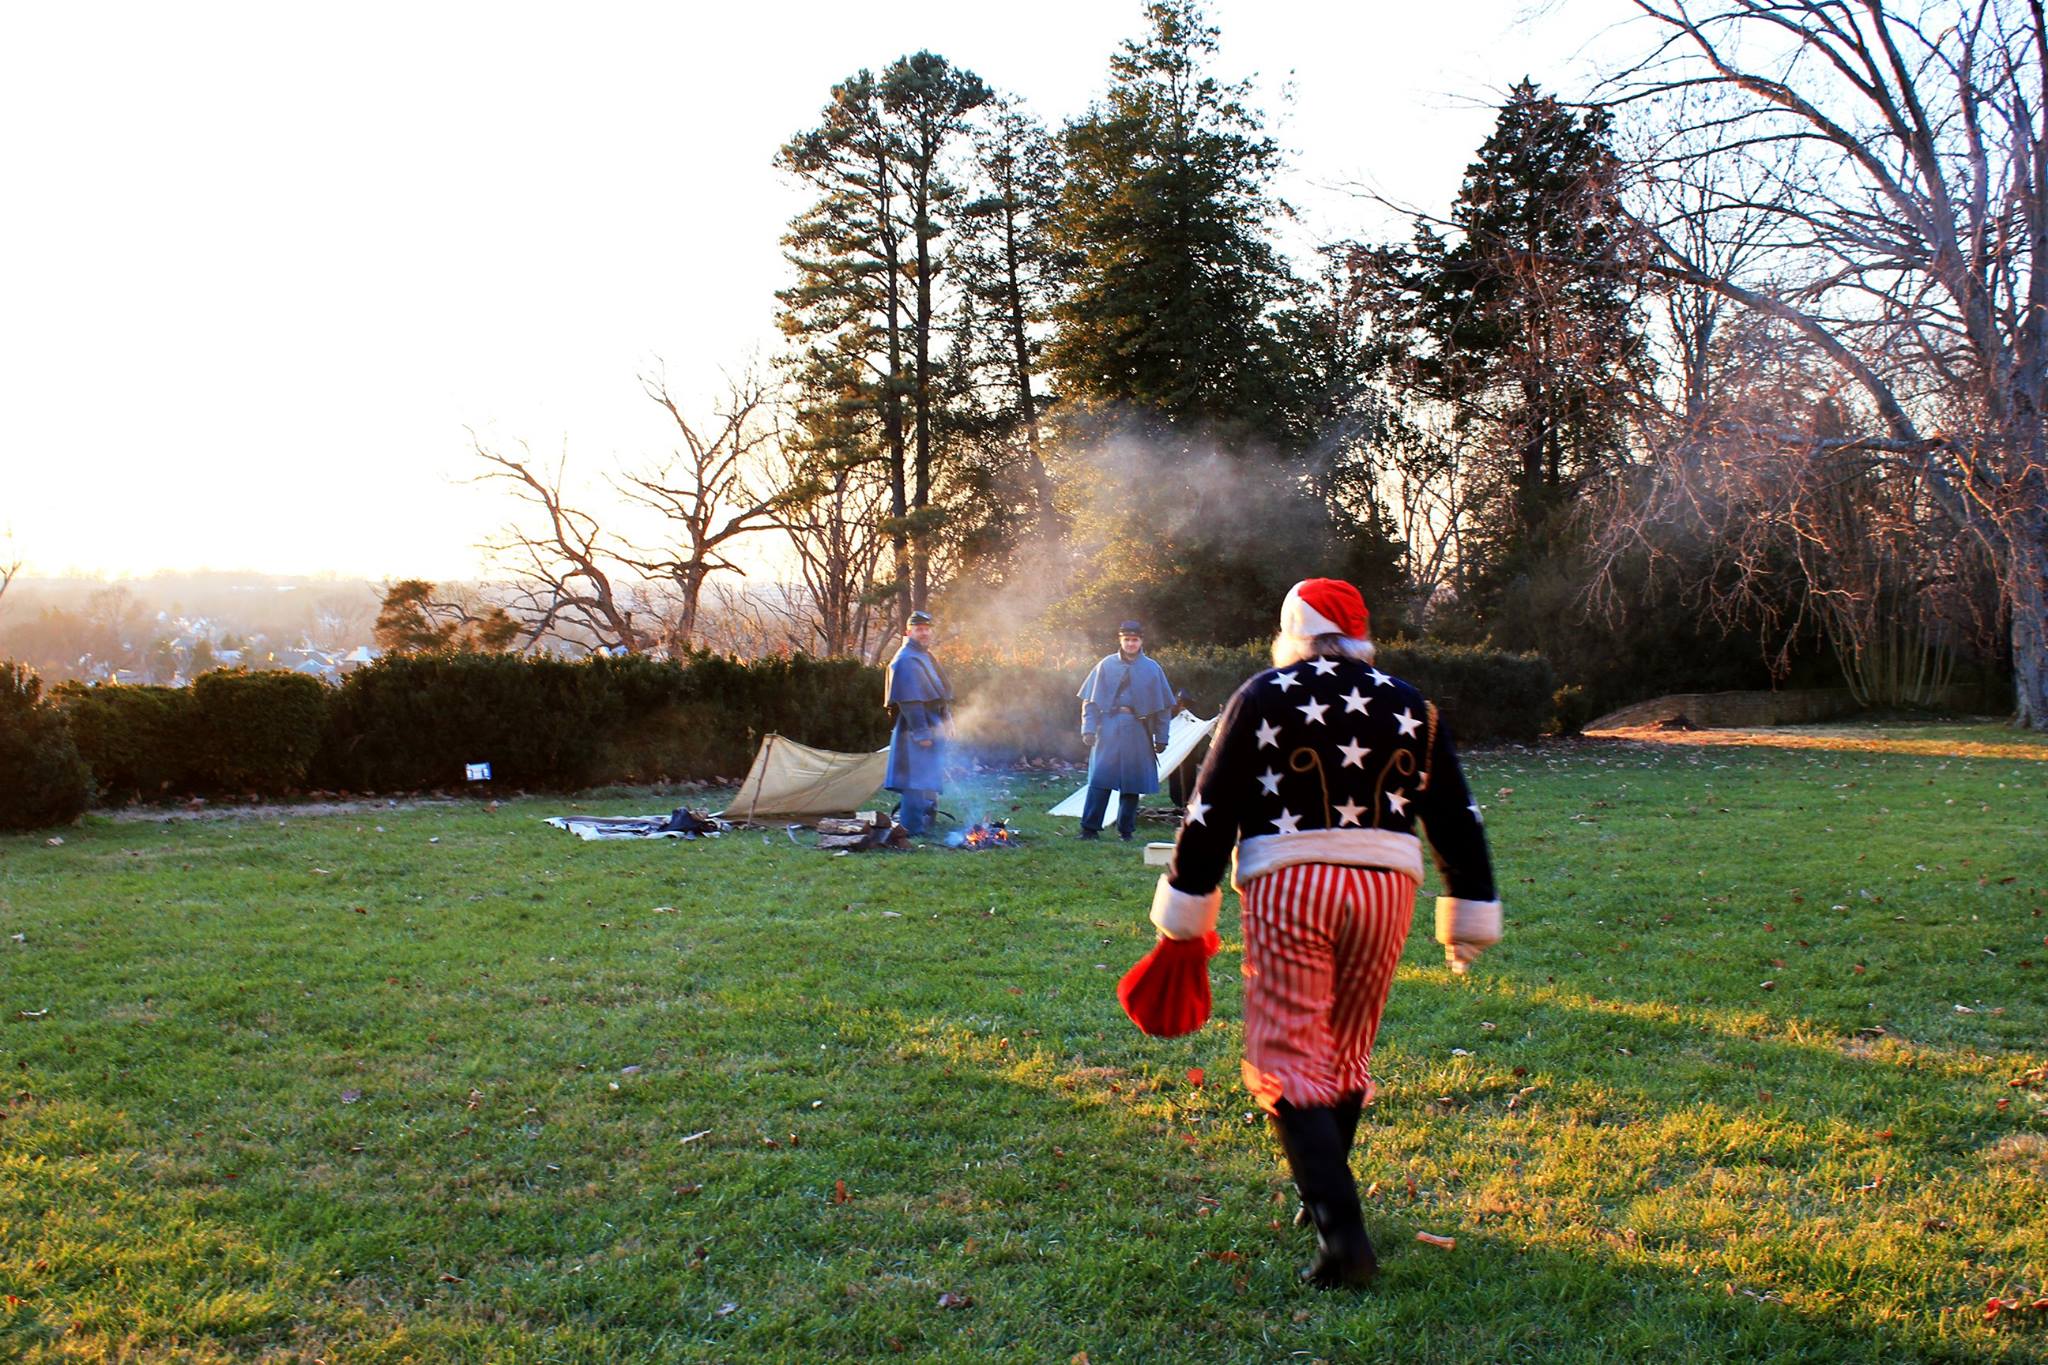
362	656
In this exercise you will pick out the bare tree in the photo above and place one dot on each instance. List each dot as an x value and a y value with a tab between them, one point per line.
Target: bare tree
710	491
836	517
1899	166
562	573
10	564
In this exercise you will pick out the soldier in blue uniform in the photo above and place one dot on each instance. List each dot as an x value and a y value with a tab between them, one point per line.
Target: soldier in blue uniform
919	701
1126	709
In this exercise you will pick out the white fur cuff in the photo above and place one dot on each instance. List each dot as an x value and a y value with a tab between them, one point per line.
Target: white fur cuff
1474	924
1180	915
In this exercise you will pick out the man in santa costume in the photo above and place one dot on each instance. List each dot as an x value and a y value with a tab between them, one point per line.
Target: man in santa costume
919	702
1318	774
1126	713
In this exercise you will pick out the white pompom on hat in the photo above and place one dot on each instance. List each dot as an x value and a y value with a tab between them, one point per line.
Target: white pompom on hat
1324	606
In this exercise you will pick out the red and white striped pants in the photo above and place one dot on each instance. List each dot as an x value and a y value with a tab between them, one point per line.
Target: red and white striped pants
1320	946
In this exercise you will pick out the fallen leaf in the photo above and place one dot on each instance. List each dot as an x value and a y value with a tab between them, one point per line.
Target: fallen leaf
951	1300
446	1278
1195	1077
351	1096
839	1194
1436	1241
726	1310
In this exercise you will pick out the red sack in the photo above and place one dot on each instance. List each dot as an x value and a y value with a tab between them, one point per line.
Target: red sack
1167	992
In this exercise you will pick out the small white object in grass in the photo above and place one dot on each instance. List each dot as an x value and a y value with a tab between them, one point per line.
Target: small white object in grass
1460	1052
20	938
54	841
633	1070
817	1104
435	840
891	914
614	1085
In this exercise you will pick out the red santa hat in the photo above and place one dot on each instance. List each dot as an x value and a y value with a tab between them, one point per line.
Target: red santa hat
1324	606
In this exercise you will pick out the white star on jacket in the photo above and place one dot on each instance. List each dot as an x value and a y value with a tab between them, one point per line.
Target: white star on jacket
1269	733
1474	808
1354	754
1197	808
1408	723
1314	711
1288	823
1397	803
1285	681
1380	679
1348	812
1270	781
1354	701
1323	667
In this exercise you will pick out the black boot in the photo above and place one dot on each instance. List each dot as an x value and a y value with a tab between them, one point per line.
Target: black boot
1313	1140
1347	1110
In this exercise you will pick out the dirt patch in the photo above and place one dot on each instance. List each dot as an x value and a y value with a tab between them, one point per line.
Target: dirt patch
1840	742
278	810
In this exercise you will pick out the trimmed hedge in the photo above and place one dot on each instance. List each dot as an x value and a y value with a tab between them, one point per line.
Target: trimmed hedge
413	721
257	732
43	779
138	741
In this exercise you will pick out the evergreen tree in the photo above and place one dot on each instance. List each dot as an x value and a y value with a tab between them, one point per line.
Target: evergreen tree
1186	356
1165	211
1009	275
845	312
1524	322
864	310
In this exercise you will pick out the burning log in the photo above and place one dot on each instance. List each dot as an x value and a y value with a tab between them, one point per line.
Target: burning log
879	831
981	835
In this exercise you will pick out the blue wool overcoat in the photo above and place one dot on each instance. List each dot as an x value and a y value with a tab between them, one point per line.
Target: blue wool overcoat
1128	707
917	696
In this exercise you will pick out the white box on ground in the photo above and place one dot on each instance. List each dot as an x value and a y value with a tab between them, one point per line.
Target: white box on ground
1158	855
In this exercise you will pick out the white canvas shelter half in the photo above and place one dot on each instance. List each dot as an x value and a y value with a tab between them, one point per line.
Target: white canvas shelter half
796	782
1186	731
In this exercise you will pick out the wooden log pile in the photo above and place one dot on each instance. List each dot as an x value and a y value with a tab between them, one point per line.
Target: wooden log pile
868	830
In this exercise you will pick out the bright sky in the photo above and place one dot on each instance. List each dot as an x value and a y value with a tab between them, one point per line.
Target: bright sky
265	263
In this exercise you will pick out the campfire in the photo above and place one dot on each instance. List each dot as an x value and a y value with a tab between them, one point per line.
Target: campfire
980	835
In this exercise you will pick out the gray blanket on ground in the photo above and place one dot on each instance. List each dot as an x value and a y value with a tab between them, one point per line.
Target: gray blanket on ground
637	826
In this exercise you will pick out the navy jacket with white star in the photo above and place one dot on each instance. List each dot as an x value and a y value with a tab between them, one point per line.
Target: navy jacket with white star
1329	760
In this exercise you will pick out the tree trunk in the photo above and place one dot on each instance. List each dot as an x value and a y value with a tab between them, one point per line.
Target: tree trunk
1027	402
2027	592
921	493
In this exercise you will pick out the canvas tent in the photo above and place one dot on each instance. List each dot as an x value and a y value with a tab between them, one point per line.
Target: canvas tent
793	781
1186	733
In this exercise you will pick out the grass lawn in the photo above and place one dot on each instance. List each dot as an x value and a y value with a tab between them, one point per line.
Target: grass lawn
1761	1072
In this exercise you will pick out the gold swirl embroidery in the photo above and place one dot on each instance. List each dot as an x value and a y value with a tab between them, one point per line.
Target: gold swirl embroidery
1399	761
1428	747
1300	761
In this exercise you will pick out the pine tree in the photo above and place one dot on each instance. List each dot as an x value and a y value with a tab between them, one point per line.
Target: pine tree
1165	212
1009	275
845	312
1524	321
864	311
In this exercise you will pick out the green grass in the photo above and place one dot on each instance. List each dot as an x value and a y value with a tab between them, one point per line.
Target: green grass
320	1088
